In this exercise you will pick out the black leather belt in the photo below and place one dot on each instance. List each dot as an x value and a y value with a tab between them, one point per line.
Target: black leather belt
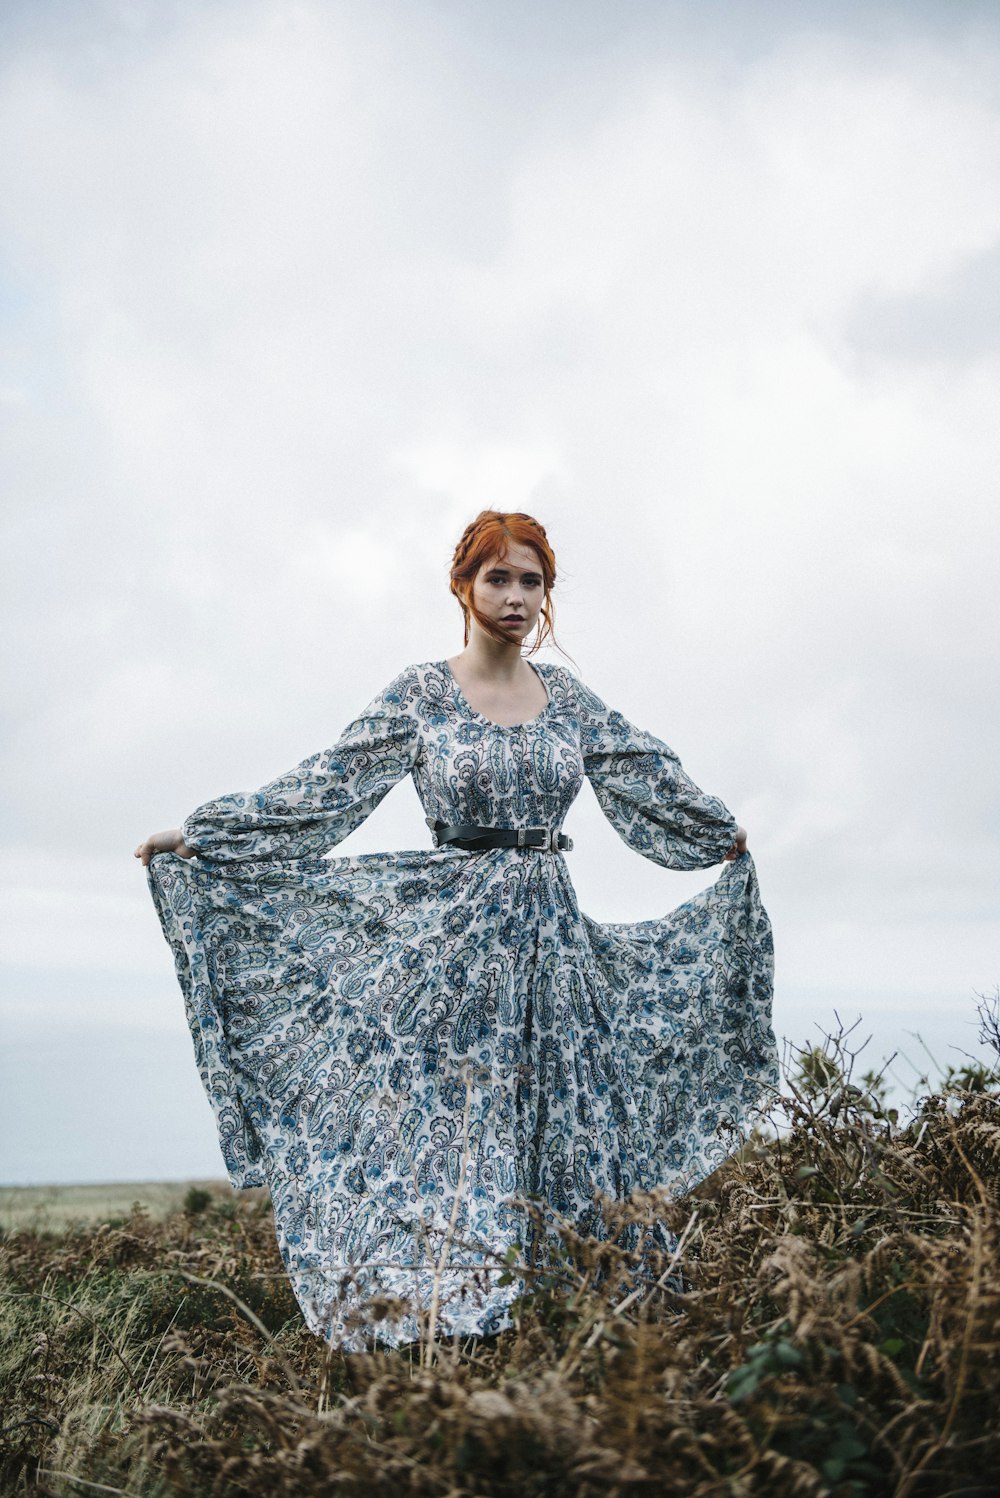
475	839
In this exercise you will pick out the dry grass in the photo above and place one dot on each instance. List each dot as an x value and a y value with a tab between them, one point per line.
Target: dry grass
830	1324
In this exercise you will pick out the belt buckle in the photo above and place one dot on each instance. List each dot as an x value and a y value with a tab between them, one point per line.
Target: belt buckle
522	838
554	840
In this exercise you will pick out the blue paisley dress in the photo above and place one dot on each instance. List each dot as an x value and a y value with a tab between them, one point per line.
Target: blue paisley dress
402	1046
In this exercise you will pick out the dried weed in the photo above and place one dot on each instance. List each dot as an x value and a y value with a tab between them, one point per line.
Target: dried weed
821	1317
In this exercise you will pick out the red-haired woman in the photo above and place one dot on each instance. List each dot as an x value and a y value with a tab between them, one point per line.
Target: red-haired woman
401	1046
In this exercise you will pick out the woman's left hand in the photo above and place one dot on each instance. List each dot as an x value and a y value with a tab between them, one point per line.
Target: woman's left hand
740	846
163	842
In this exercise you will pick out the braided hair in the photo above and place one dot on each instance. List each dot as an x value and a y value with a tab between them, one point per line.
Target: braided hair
488	537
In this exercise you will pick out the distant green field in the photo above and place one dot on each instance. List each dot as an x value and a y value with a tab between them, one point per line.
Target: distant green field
55	1207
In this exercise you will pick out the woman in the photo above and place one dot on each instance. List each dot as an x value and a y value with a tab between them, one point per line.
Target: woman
402	1046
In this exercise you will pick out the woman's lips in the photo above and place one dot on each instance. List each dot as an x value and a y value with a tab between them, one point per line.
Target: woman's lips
512	619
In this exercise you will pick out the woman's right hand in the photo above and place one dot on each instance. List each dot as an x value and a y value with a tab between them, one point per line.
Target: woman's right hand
740	846
164	842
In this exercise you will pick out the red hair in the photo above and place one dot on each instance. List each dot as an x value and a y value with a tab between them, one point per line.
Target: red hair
488	536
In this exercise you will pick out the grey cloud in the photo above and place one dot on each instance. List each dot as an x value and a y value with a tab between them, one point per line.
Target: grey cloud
954	319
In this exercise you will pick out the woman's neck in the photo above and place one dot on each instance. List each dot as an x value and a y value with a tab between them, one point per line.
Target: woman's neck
487	659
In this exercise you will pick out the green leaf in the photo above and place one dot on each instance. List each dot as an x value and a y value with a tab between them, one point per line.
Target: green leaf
741	1383
848	1446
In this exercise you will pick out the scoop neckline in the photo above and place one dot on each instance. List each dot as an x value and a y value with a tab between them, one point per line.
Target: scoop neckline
474	713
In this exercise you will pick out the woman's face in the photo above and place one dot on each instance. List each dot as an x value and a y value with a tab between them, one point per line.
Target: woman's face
510	591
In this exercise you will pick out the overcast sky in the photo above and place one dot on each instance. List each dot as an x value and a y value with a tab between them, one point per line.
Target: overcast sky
290	291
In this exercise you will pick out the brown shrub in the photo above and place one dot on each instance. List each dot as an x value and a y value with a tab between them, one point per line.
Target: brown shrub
827	1321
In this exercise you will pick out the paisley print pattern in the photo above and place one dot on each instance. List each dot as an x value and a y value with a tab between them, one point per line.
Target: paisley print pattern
399	1043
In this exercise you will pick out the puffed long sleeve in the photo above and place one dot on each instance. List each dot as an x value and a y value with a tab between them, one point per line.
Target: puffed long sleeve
645	793
315	805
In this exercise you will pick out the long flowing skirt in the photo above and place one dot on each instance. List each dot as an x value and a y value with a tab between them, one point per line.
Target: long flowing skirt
404	1047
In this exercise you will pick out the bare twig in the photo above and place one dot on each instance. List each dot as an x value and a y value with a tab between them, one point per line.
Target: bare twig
427	1351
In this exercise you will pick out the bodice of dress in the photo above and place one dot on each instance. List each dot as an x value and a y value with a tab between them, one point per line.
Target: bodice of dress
468	769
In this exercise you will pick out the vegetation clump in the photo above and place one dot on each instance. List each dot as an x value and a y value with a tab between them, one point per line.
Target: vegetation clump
821	1317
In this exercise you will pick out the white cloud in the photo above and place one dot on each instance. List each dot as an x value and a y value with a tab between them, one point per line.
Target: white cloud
75	913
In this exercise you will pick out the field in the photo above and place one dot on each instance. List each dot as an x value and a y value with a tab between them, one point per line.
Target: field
829	1324
55	1208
